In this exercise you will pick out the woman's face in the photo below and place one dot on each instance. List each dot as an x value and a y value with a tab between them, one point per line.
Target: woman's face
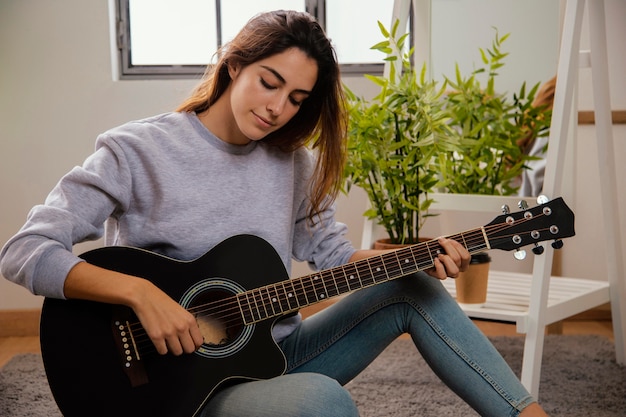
265	95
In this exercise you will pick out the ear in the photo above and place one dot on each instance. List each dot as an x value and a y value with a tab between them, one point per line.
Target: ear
233	70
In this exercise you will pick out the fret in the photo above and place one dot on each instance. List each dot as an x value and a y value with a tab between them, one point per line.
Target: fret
331	284
428	263
327	282
479	237
394	267
318	287
378	271
367	274
275	299
252	303
283	296
415	263
396	271
352	276
423	264
304	296
291	295
407	263
258	299
292	290
344	285
246	310
300	296
384	268
270	300
311	290
462	238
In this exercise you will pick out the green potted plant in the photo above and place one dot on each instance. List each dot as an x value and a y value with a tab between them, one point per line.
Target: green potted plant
394	139
489	159
491	125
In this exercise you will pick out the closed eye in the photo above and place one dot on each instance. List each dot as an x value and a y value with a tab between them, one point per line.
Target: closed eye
295	102
269	86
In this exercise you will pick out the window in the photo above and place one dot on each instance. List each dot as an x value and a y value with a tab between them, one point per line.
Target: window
178	38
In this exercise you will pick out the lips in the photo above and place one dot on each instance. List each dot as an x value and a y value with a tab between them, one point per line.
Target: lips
265	123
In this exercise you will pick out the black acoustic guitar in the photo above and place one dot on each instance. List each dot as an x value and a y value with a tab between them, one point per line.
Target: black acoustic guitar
100	362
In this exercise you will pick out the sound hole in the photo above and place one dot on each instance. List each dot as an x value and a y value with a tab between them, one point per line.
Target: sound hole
218	323
215	306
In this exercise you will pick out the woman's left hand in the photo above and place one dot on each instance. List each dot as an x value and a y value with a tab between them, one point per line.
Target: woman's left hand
455	259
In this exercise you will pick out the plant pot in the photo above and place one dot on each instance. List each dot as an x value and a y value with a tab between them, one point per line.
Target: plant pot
471	285
385	244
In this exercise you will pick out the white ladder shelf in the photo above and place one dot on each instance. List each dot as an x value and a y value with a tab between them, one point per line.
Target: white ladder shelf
508	298
533	301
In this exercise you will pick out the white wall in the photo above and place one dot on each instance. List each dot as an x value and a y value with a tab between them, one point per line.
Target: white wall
460	27
57	94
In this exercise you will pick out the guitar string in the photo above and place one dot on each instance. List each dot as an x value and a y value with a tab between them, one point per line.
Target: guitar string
145	345
229	310
233	317
374	262
377	259
237	315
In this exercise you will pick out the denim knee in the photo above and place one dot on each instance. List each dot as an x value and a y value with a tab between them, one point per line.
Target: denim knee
292	395
321	395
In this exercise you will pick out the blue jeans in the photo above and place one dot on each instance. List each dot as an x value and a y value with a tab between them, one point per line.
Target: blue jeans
332	347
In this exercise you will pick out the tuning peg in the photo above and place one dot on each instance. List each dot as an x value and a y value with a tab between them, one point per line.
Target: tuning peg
557	244
522	204
538	249
520	254
506	209
542	199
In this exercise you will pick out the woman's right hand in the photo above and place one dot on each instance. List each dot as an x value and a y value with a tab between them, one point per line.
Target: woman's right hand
170	327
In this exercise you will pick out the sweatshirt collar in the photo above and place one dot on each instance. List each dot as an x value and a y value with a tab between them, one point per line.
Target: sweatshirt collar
219	143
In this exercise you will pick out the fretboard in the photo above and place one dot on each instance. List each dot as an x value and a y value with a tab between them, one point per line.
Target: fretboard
291	295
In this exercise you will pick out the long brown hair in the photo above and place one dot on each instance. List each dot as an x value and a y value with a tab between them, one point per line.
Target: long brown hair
321	120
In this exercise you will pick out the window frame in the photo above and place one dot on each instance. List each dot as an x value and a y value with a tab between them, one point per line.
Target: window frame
128	71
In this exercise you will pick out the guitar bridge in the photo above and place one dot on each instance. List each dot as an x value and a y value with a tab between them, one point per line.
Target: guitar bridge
130	358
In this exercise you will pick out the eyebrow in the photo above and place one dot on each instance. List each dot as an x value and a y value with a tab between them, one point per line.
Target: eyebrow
282	79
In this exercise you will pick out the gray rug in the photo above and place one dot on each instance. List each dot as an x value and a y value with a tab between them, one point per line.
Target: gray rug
579	378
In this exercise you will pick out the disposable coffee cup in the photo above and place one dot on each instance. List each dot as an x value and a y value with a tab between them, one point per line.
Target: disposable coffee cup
471	284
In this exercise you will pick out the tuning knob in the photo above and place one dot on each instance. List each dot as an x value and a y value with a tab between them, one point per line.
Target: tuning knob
522	204
538	249
542	199
506	209
557	244
520	254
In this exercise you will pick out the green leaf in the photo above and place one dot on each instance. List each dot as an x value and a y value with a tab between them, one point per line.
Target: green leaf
383	30
418	135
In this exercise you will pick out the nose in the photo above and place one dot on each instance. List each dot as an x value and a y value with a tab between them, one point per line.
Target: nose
277	105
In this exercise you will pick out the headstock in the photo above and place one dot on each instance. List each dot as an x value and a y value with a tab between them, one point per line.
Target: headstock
551	220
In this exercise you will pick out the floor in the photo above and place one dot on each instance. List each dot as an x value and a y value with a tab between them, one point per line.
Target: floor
10	346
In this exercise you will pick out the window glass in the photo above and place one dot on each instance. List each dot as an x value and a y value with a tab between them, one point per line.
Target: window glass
235	14
352	26
165	32
167	38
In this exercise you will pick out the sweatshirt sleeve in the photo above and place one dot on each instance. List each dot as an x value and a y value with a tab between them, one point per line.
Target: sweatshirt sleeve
39	256
324	244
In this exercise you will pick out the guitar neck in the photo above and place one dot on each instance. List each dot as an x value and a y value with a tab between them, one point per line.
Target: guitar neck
291	295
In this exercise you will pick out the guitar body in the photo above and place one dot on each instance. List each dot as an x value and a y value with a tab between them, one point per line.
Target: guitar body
95	363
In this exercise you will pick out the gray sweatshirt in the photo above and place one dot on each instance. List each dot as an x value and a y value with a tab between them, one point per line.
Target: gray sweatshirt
168	185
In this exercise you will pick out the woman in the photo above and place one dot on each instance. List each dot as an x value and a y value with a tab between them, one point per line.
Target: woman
232	160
